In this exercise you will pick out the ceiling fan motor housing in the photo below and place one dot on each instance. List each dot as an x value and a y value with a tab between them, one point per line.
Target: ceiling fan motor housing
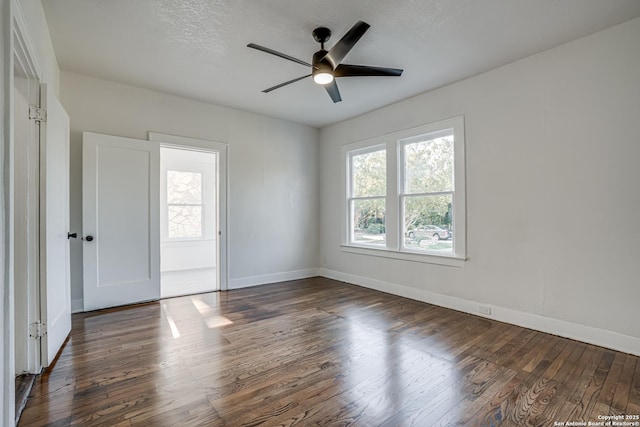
322	69
320	63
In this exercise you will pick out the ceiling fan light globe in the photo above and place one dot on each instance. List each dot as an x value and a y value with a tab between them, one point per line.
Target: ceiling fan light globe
323	78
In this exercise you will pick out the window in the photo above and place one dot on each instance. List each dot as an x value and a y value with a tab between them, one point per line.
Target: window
367	199
184	204
427	190
406	193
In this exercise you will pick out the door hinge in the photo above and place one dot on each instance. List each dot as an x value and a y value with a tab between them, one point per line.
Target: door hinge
38	114
37	329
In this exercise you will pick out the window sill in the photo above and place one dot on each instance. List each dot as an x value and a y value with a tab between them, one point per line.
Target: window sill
448	260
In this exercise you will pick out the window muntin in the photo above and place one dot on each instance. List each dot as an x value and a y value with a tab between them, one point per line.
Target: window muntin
184	205
367	198
427	192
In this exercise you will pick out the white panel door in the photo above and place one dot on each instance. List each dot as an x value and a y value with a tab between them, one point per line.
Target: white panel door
55	286
120	221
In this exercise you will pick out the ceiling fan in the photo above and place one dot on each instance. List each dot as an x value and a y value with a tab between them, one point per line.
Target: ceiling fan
325	65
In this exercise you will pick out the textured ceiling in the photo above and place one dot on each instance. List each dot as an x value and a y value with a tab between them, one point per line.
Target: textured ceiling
197	48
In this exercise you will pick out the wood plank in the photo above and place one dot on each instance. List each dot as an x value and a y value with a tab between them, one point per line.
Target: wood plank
321	352
623	388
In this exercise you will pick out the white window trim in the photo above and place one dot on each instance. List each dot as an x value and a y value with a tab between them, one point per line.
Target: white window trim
393	143
405	255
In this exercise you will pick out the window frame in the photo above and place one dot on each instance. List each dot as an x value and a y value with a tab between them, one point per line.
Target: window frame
394	221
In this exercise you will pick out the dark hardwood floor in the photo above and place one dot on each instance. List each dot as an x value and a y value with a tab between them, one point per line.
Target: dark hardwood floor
320	352
23	385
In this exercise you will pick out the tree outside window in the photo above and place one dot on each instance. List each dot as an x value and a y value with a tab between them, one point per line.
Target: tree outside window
427	191
368	197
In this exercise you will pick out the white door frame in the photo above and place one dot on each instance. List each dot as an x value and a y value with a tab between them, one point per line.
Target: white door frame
26	62
17	51
181	142
26	209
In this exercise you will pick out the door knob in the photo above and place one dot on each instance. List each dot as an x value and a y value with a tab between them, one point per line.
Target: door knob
89	238
72	235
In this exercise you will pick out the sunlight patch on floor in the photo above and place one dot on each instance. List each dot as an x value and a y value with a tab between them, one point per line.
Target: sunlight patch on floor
211	319
172	324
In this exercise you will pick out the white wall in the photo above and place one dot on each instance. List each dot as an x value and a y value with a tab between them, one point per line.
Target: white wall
7	372
273	172
552	155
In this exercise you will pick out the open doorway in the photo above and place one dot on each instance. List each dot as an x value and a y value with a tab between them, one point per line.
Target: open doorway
189	221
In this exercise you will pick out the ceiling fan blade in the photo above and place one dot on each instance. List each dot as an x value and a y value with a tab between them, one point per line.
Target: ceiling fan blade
346	43
332	90
276	53
285	83
346	70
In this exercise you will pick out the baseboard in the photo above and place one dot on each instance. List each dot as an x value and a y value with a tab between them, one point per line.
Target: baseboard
563	328
77	305
263	279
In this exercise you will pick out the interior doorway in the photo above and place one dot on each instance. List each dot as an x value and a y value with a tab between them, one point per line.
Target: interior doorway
189	221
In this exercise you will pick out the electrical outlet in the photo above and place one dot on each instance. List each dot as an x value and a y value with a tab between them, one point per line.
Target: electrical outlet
483	309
